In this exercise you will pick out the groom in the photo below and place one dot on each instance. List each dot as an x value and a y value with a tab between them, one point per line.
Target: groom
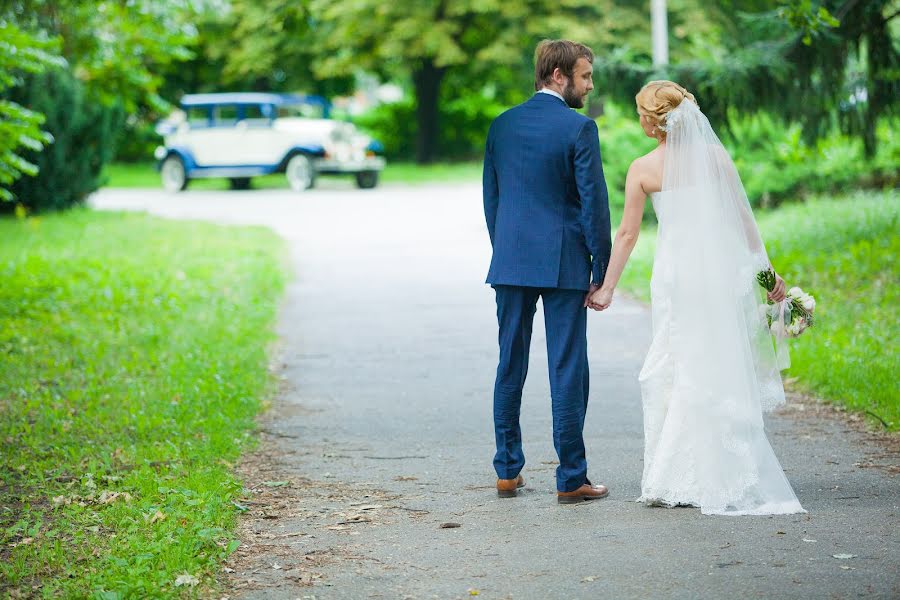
547	214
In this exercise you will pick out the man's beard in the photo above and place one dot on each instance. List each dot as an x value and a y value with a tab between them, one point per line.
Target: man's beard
571	96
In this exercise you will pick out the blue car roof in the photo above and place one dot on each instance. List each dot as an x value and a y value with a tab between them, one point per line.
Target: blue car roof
250	98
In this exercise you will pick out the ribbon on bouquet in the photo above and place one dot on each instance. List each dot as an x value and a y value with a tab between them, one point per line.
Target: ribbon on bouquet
781	318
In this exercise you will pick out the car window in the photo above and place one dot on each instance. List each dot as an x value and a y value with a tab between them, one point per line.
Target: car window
309	111
198	117
226	115
257	115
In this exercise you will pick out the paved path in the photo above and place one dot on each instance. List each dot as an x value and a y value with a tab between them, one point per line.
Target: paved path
383	432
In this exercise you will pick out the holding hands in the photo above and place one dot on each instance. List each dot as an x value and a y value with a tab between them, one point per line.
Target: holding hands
598	298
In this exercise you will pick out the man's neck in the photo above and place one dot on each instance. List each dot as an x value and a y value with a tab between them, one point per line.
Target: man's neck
552	92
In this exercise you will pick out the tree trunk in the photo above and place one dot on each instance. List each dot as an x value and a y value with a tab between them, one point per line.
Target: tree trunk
427	81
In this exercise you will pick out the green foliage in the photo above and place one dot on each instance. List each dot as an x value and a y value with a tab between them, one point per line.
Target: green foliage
134	372
809	20
843	252
466	45
621	141
20	52
463	119
759	62
117	49
776	163
84	135
118	53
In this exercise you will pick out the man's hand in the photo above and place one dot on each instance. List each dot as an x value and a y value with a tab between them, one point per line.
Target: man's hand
591	289
778	292
600	299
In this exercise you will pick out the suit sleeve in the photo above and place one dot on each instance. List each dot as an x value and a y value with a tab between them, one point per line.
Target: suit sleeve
490	187
594	199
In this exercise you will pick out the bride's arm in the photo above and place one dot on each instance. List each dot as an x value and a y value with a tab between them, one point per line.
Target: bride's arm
626	236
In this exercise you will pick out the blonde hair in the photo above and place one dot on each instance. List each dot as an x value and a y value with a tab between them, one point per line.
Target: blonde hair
657	98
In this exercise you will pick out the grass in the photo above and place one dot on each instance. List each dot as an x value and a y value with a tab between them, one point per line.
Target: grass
844	251
145	175
134	359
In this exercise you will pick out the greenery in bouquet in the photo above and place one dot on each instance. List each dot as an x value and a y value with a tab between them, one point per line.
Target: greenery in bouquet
793	315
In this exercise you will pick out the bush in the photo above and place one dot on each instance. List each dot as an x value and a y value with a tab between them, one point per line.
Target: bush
464	122
84	133
774	162
777	165
137	143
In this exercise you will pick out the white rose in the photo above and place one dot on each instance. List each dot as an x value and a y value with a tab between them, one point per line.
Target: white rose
809	303
795	292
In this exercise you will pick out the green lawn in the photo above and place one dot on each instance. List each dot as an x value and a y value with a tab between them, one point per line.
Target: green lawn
844	251
134	359
145	175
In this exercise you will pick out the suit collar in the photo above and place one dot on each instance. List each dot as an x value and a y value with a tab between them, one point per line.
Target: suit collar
548	98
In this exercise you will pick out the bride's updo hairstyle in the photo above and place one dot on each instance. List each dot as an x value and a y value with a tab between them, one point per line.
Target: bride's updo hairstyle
657	98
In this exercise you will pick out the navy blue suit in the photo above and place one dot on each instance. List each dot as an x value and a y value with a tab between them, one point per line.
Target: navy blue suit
547	213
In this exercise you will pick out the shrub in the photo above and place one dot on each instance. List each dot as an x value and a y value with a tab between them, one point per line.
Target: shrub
84	133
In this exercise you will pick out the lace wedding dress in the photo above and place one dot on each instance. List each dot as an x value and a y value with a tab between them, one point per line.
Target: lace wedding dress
711	370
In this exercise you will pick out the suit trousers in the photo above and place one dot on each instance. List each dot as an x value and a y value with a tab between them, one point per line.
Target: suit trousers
565	320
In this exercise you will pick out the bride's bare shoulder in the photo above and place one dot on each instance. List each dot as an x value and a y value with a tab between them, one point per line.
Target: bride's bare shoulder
646	171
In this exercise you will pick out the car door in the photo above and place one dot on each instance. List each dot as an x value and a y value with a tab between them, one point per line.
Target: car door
215	139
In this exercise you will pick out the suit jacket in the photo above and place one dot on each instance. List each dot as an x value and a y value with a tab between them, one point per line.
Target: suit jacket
545	198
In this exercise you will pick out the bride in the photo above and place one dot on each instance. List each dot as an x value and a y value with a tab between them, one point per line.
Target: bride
711	370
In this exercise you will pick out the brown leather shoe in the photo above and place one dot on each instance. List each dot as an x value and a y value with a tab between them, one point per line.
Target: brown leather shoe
585	492
508	488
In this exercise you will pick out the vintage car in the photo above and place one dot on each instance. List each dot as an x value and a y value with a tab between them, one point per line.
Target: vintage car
242	135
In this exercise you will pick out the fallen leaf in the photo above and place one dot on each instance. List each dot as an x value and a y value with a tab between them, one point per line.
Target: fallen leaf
589	579
809	541
844	556
450	525
276	566
846	568
186	579
159	516
473	592
779	533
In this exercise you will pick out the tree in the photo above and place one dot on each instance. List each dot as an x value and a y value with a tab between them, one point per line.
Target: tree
20	52
269	45
815	63
117	49
114	55
472	42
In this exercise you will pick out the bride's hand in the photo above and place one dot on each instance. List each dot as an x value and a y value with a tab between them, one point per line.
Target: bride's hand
601	299
778	292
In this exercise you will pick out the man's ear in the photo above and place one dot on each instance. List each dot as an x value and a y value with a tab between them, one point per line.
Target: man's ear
558	77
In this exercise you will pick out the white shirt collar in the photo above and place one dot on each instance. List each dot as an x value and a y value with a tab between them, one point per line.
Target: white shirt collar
551	92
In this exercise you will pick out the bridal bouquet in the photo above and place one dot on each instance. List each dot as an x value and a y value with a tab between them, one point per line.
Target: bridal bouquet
793	315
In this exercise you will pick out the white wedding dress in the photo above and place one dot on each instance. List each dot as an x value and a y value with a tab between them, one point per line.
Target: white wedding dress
711	370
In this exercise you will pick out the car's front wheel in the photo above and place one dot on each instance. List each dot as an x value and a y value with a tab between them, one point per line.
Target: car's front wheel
366	180
173	173
299	173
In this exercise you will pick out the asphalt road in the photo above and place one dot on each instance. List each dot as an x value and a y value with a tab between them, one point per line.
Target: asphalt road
383	432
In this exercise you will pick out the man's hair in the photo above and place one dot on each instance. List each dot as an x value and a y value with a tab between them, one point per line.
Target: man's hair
551	54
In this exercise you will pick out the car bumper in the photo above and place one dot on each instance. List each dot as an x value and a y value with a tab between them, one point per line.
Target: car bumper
326	165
